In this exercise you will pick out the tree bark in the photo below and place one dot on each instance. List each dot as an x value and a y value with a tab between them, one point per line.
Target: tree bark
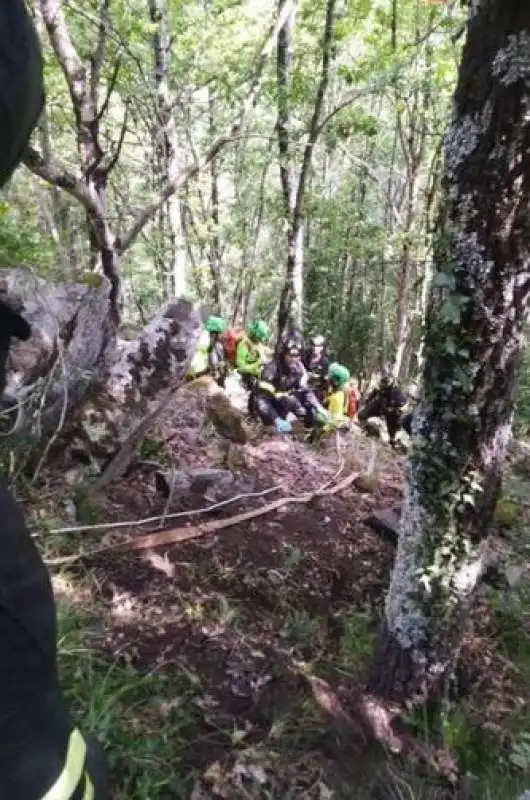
473	345
290	310
166	151
83	85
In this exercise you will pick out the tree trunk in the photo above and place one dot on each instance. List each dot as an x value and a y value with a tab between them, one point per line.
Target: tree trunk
291	299
290	309
402	319
473	346
412	127
215	239
284	63
166	151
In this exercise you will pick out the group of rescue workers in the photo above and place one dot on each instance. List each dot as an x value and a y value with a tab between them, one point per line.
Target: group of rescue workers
297	380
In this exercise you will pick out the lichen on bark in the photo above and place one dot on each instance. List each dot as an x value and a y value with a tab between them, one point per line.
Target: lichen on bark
512	63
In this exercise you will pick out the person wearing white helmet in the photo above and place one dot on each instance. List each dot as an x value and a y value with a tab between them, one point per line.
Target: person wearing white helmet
316	362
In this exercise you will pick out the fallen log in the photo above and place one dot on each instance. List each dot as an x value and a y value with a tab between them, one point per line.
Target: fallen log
175	535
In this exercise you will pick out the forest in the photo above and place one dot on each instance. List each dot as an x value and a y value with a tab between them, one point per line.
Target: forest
246	609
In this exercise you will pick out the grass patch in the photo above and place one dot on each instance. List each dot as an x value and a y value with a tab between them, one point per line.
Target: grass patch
358	640
145	722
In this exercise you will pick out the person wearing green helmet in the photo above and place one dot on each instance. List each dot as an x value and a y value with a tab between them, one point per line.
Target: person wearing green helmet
337	399
251	353
208	358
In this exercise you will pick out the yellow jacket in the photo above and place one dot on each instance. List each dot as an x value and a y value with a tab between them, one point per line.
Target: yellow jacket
335	404
200	360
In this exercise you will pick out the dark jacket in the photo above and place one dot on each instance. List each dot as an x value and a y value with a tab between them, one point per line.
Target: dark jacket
391	397
316	366
35	724
21	84
283	378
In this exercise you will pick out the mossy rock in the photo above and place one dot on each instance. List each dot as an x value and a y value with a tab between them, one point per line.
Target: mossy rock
92	279
508	512
366	483
227	420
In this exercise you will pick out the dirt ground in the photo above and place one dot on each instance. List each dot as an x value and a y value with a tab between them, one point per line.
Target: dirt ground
247	611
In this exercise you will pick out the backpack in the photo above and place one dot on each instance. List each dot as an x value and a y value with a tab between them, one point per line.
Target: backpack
351	404
230	341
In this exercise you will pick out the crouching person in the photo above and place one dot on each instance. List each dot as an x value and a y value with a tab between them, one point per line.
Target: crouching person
386	401
209	356
43	754
336	402
282	388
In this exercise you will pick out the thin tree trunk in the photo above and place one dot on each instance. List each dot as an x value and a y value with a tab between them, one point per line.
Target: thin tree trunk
166	152
215	239
290	310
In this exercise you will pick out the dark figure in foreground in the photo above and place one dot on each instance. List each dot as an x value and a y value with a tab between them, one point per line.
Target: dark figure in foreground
43	755
387	401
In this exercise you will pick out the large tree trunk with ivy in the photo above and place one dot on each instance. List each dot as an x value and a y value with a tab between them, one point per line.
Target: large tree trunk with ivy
473	345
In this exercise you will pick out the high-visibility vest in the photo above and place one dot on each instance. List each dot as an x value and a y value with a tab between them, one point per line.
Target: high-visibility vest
73	782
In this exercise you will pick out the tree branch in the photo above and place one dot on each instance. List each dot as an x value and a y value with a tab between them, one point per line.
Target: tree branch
69	60
59	176
171	187
111	162
97	57
110	89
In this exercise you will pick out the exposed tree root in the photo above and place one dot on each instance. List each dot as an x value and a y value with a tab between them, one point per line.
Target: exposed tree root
375	721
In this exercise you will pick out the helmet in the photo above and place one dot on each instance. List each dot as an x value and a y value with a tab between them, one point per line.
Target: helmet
338	374
318	341
259	330
293	337
215	325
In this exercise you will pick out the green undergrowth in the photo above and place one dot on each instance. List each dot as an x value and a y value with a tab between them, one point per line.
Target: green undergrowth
142	720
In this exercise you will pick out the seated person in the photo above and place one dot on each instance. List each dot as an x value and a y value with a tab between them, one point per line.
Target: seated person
283	388
386	401
336	401
251	353
208	358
